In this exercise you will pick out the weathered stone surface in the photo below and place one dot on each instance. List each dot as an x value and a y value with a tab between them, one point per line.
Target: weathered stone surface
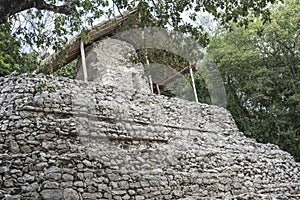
52	194
89	196
51	185
115	144
67	177
70	194
4	169
108	64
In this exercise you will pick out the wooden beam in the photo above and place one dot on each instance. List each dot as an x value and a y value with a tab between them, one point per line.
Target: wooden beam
194	86
171	77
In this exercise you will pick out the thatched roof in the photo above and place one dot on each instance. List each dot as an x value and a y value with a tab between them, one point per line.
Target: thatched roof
72	50
105	29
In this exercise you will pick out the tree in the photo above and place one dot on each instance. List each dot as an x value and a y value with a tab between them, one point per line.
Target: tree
261	71
11	58
69	16
9	52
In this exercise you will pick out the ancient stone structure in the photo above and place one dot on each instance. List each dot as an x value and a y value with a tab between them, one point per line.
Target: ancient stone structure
68	139
108	62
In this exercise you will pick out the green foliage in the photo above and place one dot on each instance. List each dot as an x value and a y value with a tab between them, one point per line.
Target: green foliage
169	63
163	66
11	59
51	27
260	68
68	70
9	52
43	29
202	88
29	62
162	57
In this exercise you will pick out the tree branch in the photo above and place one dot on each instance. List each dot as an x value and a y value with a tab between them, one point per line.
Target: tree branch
11	7
117	7
42	5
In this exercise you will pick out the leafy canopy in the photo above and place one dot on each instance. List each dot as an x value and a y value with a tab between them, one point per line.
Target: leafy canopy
261	71
11	58
51	22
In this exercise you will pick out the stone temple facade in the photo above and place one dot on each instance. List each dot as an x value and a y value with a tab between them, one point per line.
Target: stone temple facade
68	139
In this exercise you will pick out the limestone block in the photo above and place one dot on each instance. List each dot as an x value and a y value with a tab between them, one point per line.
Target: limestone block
70	194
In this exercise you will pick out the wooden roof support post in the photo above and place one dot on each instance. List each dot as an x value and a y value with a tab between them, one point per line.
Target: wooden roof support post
158	90
194	86
83	61
149	77
147	61
150	83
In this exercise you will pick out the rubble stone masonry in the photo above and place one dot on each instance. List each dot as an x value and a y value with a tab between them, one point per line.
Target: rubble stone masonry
67	139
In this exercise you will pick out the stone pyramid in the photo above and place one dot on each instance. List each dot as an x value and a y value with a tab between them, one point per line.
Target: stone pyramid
68	139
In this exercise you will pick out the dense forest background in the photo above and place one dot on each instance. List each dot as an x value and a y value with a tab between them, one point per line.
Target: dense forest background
260	67
255	46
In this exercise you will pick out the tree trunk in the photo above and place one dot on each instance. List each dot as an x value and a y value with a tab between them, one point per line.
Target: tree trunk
11	7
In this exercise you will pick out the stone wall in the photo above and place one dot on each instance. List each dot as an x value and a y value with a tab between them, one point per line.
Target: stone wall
66	139
108	63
